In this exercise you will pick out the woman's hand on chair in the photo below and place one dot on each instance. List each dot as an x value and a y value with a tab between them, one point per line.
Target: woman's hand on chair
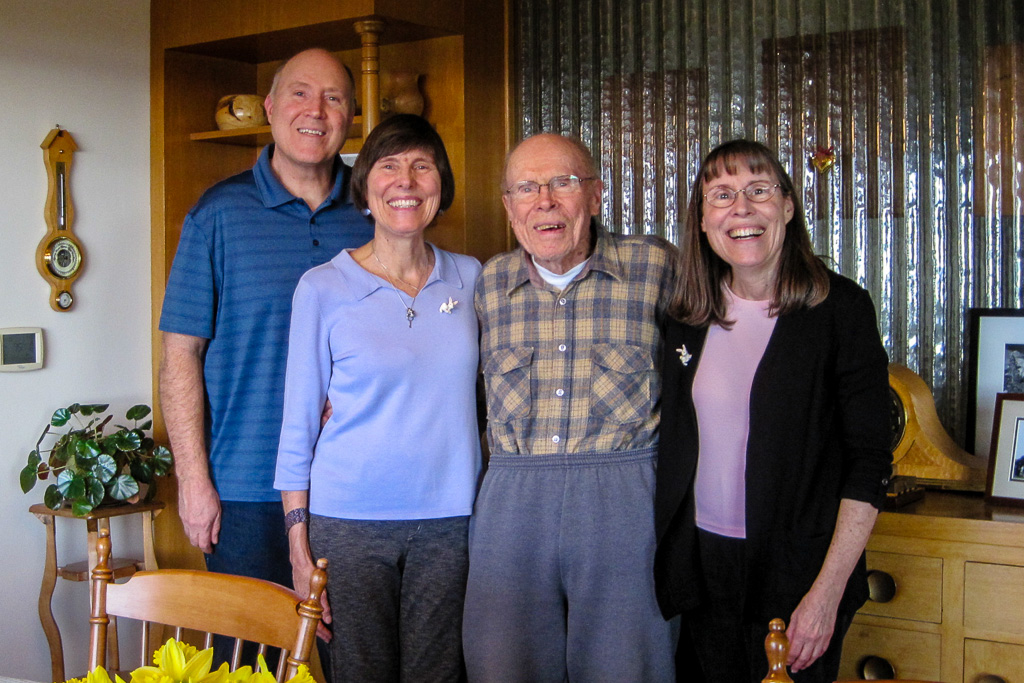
811	626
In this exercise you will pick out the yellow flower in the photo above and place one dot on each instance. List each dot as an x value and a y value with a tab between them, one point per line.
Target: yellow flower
176	662
188	651
97	675
302	675
180	663
262	675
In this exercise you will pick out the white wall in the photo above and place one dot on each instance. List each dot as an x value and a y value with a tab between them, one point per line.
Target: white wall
83	64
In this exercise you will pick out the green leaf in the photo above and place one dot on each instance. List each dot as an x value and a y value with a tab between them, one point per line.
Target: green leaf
96	492
123	487
74	408
104	468
34	459
52	498
147	425
88	448
162	460
142	470
70	485
133	440
28	477
94	408
64	448
82	507
60	417
138	412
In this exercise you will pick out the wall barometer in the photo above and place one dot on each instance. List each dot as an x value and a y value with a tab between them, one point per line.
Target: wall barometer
59	255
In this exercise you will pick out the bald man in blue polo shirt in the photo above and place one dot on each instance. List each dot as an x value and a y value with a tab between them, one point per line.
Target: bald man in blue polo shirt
227	308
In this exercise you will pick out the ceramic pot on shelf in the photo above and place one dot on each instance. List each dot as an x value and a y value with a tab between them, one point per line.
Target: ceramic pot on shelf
400	93
240	111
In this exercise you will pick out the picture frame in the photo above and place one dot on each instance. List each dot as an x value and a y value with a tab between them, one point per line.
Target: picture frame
1005	484
995	346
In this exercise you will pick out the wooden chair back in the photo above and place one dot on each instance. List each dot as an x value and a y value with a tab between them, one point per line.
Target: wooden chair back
243	608
776	646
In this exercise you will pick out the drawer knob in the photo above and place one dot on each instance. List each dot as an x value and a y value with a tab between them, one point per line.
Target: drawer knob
881	586
989	678
874	668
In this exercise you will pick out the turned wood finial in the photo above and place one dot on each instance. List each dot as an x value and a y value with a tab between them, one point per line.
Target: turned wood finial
369	31
310	610
311	607
318	581
776	646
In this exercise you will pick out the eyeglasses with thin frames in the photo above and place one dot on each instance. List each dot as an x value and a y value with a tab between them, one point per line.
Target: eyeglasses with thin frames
559	186
722	197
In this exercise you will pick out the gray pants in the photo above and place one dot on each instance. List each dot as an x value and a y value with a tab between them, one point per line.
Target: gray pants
396	591
561	583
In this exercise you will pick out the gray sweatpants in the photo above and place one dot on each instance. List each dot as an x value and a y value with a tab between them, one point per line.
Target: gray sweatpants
395	589
561	583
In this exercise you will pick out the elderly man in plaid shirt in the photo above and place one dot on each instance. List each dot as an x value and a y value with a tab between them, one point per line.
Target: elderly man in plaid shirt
562	545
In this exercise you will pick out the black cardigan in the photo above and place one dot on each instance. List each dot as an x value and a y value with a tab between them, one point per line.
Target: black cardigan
819	432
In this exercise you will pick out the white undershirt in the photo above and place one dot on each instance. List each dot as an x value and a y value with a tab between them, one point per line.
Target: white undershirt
554	279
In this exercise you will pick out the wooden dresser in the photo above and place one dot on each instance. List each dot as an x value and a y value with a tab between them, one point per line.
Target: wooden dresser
947	581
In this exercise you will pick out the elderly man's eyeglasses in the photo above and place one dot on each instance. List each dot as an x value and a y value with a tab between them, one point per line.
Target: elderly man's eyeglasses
721	196
559	186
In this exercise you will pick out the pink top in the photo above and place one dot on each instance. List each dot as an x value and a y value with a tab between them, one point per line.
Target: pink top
721	397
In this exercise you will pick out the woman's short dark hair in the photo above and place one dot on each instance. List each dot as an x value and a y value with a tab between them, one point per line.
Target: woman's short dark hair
395	135
802	280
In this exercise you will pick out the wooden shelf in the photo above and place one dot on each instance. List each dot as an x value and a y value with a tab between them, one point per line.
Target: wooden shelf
258	136
79	571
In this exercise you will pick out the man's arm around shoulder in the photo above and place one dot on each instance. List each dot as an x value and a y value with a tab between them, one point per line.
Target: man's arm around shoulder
182	400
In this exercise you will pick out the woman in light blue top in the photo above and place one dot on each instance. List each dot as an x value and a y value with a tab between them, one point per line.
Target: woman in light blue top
387	334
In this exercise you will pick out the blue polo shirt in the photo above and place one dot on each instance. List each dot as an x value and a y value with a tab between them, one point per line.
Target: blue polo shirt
243	248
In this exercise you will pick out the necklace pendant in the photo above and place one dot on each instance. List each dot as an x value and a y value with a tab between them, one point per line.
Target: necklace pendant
409	315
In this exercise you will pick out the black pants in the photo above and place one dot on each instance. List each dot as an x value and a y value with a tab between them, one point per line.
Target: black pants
730	646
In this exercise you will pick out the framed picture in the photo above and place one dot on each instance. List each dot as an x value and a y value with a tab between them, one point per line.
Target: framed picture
1006	463
995	345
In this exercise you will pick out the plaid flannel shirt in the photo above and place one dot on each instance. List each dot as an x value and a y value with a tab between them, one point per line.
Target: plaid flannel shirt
575	371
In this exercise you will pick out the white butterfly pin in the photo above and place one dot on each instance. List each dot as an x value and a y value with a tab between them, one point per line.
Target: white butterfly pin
684	355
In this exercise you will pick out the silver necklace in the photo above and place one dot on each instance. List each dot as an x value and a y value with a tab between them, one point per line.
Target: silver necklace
410	313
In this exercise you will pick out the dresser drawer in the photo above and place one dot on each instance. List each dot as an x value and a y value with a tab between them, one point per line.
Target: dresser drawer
983	658
904	587
911	654
993	599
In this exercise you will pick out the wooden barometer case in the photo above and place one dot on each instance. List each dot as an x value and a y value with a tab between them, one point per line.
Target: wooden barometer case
59	256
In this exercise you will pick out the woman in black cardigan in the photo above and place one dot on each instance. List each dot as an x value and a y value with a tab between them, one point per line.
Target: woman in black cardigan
774	438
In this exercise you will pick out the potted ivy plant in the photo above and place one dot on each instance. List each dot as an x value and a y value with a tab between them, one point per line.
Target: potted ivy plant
89	465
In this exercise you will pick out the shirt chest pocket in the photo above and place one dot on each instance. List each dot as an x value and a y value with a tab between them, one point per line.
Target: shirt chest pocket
621	389
507	375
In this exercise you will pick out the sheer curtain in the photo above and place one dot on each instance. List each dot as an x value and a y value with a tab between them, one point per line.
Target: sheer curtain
920	101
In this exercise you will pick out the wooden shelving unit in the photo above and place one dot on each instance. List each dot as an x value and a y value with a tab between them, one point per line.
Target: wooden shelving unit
201	51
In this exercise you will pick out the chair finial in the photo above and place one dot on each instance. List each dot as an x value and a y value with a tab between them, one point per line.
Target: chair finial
776	647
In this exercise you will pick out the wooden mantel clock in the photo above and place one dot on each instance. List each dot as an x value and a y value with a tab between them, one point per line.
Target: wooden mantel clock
921	447
59	255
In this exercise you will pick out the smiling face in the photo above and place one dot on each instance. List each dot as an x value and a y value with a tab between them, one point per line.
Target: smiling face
310	108
403	192
747	235
554	229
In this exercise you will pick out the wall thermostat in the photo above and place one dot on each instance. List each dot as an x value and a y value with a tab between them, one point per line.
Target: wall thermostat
21	348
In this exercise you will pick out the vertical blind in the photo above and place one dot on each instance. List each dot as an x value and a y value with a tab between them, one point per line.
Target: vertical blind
921	102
